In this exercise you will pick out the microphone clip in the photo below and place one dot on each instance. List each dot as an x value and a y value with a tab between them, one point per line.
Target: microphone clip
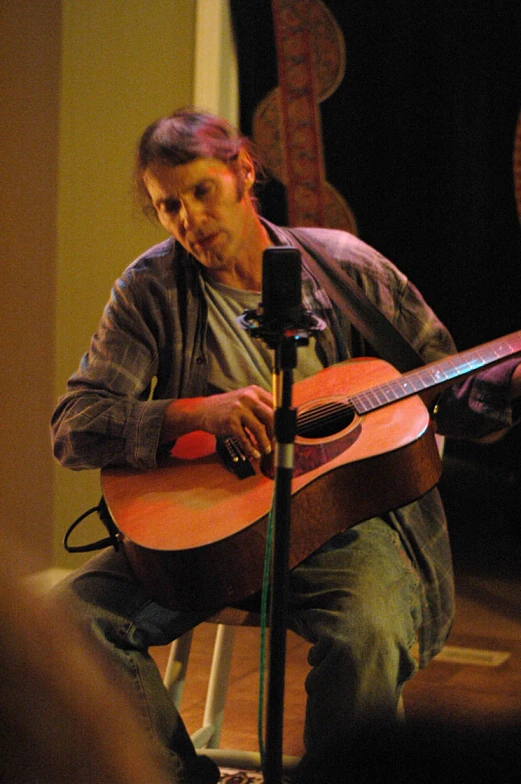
296	325
281	316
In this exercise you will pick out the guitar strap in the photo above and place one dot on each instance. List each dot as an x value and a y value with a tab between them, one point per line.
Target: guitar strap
106	518
353	302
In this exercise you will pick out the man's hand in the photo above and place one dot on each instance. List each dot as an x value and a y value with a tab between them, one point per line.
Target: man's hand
515	384
246	415
515	397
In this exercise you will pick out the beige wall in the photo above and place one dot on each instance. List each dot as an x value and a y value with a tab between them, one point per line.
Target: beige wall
124	63
29	89
80	79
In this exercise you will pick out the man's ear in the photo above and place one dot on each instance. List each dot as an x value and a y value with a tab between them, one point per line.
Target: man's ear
246	169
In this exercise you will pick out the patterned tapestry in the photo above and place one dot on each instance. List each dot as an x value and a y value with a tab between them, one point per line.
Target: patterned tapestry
287	124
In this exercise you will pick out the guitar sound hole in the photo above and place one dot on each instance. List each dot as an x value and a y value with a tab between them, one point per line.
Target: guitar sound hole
325	420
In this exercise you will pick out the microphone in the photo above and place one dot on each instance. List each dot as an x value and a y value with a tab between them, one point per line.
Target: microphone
281	285
280	310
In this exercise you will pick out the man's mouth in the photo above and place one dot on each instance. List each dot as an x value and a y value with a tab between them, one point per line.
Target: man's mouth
205	242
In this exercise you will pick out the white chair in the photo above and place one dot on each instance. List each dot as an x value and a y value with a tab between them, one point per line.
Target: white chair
207	738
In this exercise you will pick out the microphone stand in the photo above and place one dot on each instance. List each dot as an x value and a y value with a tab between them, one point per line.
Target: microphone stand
282	324
285	431
284	340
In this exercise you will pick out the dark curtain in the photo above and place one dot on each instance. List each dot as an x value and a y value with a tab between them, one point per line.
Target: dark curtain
419	138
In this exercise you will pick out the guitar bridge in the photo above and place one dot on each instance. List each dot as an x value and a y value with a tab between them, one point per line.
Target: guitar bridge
233	458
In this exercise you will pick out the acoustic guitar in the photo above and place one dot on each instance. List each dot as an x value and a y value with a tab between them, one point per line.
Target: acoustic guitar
195	527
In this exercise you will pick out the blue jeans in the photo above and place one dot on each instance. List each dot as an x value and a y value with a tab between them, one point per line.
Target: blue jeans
356	600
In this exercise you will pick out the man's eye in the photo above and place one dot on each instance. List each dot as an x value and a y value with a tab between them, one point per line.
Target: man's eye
202	190
171	206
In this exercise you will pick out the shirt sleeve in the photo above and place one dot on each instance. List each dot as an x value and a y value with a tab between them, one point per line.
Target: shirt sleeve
479	405
107	416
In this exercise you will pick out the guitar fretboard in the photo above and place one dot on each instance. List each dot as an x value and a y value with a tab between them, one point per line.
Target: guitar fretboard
435	373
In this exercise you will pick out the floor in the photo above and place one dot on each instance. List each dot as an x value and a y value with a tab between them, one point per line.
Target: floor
476	678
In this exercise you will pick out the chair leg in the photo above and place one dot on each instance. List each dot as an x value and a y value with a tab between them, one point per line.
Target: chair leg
208	737
175	674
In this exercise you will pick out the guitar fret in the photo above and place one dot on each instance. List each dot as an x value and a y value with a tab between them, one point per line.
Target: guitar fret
415	381
366	401
387	392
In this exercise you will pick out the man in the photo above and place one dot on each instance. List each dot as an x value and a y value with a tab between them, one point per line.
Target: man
366	596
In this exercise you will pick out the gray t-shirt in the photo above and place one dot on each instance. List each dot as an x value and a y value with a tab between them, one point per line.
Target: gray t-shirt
235	358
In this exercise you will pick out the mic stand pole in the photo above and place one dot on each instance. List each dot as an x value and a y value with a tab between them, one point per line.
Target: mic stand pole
285	431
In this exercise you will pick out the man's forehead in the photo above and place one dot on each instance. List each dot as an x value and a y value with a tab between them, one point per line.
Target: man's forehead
184	176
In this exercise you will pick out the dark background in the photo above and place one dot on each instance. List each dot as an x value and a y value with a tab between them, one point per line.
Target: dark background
419	139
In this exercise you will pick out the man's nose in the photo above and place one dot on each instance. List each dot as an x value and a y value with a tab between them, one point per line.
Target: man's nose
190	215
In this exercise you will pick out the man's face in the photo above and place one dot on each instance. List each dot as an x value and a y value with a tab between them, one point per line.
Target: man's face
205	206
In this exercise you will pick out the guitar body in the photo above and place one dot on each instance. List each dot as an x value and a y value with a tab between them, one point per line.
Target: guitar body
195	533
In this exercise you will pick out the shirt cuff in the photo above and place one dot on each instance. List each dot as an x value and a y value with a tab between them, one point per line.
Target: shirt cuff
143	436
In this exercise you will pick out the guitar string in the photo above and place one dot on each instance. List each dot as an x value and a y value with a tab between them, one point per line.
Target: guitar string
337	409
325	415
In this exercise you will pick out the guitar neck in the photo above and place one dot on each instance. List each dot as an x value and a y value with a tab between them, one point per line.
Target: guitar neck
437	374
